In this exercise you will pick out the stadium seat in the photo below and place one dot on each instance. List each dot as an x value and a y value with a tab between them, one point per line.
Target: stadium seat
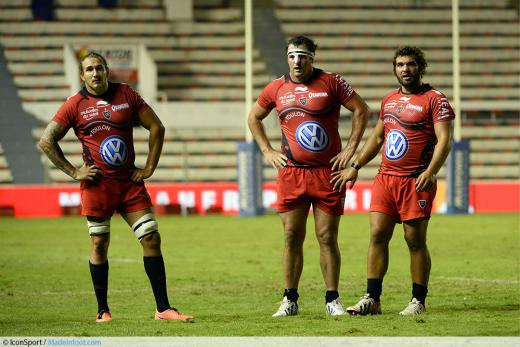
357	39
5	172
202	60
186	52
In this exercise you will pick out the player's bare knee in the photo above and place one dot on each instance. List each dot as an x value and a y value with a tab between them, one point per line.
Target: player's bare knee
379	239
146	225
327	238
151	241
415	244
99	247
293	238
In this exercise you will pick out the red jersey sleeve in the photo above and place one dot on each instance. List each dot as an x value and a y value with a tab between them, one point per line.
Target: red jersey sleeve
342	90
267	98
382	107
441	108
66	114
137	101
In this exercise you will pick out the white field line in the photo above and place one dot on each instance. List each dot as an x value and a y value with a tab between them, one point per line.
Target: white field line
91	292
477	280
146	290
125	260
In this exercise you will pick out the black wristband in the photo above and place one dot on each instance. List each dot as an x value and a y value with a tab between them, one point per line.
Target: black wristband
355	166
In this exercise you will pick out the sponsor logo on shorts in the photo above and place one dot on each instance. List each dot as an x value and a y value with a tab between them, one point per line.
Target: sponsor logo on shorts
114	151
396	145
312	136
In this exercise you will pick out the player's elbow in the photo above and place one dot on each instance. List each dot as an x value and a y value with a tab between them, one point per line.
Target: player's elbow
44	145
252	121
362	112
158	130
161	130
447	147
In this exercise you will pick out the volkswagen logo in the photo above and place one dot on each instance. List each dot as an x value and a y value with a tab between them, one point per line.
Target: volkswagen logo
396	145
114	151
312	136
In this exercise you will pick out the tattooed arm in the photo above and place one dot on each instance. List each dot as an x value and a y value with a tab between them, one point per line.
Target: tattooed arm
49	145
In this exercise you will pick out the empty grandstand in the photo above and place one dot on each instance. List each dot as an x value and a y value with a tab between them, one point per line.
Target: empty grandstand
200	69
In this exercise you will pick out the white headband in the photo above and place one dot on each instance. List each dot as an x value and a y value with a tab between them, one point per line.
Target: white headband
299	51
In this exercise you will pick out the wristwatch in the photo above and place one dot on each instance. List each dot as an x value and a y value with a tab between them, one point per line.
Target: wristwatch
355	166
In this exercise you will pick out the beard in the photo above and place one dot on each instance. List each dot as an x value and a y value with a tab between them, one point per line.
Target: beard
413	81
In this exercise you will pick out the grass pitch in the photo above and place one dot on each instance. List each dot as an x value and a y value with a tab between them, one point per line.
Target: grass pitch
226	271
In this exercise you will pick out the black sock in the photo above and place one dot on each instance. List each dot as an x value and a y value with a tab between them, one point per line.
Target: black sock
331	295
291	294
99	274
375	288
154	267
419	292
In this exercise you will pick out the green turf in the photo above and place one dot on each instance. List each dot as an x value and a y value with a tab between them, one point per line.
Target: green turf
227	272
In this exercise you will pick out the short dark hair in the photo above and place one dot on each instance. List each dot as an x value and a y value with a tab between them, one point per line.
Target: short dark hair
91	54
416	53
302	40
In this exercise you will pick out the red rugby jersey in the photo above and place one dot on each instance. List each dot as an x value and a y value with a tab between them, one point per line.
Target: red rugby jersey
104	126
409	133
308	114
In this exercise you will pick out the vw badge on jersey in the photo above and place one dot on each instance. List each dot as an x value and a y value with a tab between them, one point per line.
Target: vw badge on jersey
114	151
396	145
312	136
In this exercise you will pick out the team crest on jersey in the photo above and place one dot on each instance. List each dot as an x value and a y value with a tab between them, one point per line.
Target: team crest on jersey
422	203
396	145
106	114
312	136
303	101
114	151
400	109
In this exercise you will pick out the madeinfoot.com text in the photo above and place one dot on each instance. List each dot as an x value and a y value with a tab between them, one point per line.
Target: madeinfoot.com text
50	342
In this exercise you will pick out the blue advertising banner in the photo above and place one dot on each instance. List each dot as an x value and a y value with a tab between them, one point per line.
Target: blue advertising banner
457	178
250	179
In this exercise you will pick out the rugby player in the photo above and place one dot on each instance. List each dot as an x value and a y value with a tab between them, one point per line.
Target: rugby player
102	116
308	102
415	131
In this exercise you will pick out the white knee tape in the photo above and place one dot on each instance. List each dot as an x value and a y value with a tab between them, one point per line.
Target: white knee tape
145	225
98	228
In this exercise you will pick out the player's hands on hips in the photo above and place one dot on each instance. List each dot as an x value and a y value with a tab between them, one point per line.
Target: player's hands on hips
340	160
276	159
141	174
425	181
341	177
88	173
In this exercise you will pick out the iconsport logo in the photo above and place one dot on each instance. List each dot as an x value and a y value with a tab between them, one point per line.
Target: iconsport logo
396	145
114	151
312	136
